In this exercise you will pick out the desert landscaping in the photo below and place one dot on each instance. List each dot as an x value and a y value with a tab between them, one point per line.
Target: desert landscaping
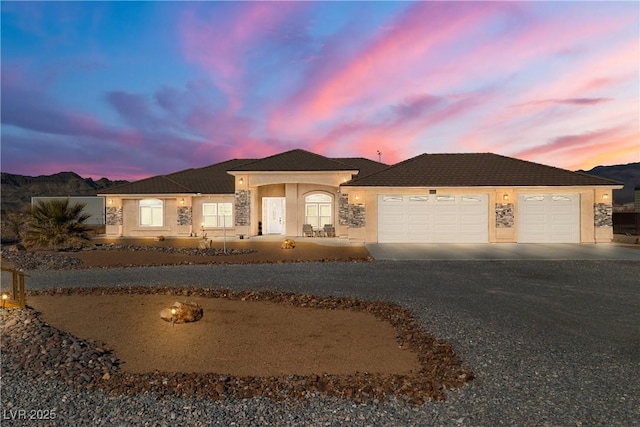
273	344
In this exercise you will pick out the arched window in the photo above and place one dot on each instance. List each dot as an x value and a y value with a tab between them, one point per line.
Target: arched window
318	210
151	212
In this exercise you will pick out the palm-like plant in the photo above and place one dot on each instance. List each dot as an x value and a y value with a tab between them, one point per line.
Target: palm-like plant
57	225
14	224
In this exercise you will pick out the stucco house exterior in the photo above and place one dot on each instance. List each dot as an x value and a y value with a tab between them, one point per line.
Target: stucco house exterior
430	198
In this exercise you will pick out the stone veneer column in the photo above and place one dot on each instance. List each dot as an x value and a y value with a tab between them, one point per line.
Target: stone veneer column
343	209
357	215
349	214
185	215
114	215
243	207
603	215
504	215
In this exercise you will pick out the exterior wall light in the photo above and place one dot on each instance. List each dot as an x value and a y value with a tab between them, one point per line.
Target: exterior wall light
182	201
357	197
505	197
241	181
605	196
110	201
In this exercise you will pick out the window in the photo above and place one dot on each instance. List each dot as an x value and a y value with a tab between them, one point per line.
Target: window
151	212
217	215
392	199
317	210
419	199
533	198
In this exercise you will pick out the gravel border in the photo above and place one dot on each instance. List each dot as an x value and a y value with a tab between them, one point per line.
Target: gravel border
37	260
41	350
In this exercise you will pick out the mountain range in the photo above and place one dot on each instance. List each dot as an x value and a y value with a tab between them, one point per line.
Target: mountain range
628	174
17	190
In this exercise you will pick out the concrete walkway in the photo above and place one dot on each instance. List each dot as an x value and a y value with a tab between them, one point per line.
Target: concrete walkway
504	251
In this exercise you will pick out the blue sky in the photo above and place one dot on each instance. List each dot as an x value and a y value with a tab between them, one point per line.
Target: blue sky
128	90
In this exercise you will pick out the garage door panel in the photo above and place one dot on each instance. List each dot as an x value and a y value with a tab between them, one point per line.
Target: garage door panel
433	219
549	218
469	220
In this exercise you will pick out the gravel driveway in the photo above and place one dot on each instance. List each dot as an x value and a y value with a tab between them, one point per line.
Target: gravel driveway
550	343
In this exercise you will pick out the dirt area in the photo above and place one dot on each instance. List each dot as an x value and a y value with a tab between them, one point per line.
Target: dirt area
233	337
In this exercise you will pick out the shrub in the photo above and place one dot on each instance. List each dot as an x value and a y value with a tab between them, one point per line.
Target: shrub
14	225
57	225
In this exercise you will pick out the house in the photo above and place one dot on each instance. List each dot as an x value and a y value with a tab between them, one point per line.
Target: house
430	198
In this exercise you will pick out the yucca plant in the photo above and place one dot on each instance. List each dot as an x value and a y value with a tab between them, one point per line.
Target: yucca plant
14	225
57	225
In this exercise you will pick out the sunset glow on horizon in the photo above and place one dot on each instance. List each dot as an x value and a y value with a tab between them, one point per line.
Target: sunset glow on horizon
128	90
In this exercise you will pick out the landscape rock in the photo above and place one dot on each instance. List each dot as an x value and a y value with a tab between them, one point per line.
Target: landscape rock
204	244
185	312
288	244
34	260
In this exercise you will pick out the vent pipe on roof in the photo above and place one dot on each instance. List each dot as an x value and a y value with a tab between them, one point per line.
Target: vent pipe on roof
379	156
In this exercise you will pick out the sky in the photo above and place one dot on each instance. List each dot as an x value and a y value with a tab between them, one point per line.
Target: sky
128	90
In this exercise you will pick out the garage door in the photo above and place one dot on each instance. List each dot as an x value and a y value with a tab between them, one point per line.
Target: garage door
548	218
433	218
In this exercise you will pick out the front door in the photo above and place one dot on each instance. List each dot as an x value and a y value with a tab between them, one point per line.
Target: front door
273	215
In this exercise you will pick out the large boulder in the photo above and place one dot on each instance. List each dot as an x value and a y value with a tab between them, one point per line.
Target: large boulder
184	312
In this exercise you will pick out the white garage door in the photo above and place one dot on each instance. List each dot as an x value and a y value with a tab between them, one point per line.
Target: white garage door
548	218
433	218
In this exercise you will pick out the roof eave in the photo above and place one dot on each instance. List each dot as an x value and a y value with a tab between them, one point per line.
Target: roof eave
291	172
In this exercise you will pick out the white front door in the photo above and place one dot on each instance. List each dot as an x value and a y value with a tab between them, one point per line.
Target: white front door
273	210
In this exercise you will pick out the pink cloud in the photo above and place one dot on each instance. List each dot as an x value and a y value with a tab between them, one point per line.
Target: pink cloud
395	136
367	81
568	141
583	151
221	42
536	110
569	101
369	75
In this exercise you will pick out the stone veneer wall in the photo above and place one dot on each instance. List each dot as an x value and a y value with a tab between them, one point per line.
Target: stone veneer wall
357	214
243	207
185	215
603	215
351	215
343	209
504	215
114	215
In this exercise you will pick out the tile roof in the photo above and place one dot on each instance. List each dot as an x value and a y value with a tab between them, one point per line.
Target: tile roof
294	160
364	166
472	170
212	179
426	170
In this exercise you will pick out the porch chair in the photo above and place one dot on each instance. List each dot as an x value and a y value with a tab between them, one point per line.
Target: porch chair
329	230
307	230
